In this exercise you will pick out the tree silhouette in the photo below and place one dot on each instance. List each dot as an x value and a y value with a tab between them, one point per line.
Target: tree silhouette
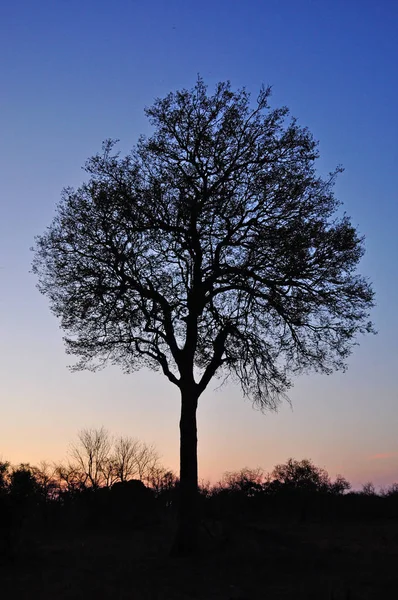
91	454
213	249
4	474
304	475
133	459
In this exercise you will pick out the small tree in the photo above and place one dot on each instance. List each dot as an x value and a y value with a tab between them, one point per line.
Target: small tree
246	481
304	476
91	455
70	478
391	491
301	475
23	486
46	480
368	489
340	485
132	458
4	475
162	480
213	248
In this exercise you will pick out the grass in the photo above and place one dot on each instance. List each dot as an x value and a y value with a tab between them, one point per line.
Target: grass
244	561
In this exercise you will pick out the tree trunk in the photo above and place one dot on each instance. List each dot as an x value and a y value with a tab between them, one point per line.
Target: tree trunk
186	541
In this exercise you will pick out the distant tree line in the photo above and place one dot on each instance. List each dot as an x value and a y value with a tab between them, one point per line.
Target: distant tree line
110	481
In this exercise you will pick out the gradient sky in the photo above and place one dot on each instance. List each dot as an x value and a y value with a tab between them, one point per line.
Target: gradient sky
74	73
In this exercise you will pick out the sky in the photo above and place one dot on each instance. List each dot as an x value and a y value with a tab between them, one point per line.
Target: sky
75	73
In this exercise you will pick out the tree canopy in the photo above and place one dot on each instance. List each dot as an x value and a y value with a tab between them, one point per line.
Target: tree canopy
212	248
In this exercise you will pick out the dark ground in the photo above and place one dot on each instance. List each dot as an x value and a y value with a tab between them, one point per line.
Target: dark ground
239	561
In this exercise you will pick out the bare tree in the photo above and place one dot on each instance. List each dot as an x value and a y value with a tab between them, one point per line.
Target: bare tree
91	455
45	475
109	471
161	479
147	461
133	458
248	481
368	489
70	477
213	249
124	456
4	474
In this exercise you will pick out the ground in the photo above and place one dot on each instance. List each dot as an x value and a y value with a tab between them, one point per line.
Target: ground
239	561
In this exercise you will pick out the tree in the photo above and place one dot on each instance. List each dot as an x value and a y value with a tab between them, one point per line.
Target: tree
46	480
92	456
246	481
368	489
23	486
4	474
161	480
132	458
340	485
69	478
212	249
101	460
304	476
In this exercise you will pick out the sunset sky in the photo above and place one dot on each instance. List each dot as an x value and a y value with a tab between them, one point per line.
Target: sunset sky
74	73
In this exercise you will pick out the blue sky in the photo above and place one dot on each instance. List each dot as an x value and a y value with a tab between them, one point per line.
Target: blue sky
74	73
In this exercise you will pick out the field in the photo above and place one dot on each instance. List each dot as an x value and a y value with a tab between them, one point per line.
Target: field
239	560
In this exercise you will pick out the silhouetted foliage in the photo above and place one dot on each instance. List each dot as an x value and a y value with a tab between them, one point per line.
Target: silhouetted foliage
133	459
100	460
132	500
91	455
70	478
391	491
23	485
303	475
164	484
213	249
4	474
340	485
246	481
47	498
368	489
